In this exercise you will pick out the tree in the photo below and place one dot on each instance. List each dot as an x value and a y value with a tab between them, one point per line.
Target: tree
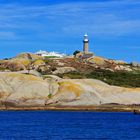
76	52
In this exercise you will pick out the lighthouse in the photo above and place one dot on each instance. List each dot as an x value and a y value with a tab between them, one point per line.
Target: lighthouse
85	54
85	44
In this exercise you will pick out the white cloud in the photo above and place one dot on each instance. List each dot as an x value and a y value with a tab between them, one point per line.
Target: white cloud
113	18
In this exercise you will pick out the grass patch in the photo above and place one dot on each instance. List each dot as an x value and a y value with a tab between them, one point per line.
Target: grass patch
51	57
73	75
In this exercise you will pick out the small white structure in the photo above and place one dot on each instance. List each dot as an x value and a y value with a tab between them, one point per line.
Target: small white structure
41	53
49	54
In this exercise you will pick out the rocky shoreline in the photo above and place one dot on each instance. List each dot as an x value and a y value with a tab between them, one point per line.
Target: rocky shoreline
21	90
95	108
34	83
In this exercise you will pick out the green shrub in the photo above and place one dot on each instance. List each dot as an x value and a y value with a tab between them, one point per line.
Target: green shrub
47	60
2	69
121	78
76	52
49	96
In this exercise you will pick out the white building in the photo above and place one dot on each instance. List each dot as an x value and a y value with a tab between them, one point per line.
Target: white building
49	54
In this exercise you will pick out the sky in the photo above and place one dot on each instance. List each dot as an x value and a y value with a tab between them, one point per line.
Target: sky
113	27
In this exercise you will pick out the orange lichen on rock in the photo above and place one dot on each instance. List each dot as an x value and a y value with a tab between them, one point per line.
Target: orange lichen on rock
25	77
70	87
25	62
132	89
97	60
39	62
28	56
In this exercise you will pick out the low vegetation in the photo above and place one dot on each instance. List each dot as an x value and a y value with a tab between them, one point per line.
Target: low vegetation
76	52
47	60
49	96
72	75
120	78
50	57
92	70
2	69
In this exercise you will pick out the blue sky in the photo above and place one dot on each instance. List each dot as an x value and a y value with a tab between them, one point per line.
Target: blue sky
113	27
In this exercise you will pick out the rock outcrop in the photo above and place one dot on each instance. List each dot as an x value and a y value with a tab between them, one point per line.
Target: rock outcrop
28	56
24	90
28	61
22	62
97	60
135	64
123	68
12	65
62	70
111	65
19	90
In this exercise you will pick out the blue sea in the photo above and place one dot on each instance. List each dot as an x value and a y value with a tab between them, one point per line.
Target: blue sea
54	125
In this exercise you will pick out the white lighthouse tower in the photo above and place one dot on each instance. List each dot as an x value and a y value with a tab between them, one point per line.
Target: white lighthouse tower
85	44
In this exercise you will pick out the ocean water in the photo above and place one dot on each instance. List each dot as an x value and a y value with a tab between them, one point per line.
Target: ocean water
54	125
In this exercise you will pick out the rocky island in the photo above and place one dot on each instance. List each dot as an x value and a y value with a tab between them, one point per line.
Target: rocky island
29	81
82	81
